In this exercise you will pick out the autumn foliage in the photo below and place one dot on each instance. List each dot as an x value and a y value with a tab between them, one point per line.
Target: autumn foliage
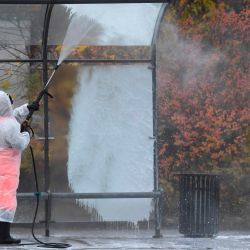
204	98
204	121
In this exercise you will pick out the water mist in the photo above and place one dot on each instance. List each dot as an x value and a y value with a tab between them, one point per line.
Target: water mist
81	30
109	145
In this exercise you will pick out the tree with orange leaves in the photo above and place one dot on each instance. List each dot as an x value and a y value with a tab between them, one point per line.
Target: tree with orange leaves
204	98
204	115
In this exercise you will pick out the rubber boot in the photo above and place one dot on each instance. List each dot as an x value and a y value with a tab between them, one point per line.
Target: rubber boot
5	237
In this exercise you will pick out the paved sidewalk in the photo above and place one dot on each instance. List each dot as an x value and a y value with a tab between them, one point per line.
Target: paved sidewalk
129	239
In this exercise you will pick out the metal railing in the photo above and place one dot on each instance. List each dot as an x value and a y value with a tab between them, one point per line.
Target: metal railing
110	195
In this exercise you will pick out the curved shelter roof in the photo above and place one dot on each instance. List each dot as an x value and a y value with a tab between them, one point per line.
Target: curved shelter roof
36	24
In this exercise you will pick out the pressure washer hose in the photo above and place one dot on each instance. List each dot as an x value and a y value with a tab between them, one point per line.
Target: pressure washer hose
41	243
37	193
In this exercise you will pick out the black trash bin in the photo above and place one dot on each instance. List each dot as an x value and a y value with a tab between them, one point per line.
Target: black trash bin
199	205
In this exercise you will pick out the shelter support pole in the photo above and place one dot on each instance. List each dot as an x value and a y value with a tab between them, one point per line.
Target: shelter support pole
157	200
46	119
157	209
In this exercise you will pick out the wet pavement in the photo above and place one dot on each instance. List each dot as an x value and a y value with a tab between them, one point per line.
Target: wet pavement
132	239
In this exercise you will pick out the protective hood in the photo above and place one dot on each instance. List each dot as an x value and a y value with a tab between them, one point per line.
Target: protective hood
5	105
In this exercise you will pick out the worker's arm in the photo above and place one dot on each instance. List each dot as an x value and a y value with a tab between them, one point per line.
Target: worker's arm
21	112
14	138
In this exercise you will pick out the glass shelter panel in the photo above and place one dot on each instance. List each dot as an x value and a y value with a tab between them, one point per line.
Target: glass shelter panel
17	79
103	128
21	28
26	210
103	31
99	211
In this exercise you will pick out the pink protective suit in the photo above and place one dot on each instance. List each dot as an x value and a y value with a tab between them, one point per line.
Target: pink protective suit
12	142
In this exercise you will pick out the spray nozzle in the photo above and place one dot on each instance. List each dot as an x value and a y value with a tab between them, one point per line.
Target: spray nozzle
56	67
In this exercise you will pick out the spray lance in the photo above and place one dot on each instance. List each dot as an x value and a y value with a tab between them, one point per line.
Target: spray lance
25	126
79	28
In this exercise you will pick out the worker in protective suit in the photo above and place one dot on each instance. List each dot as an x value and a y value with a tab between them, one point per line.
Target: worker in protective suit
12	143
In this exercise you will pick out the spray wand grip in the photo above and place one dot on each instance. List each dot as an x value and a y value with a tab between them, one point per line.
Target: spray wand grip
41	94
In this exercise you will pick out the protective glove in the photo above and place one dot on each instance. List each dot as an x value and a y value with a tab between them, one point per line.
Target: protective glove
34	106
25	127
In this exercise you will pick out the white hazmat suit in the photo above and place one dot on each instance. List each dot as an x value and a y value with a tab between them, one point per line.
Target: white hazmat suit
12	143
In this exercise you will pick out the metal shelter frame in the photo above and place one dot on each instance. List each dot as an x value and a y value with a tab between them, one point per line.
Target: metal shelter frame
156	194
